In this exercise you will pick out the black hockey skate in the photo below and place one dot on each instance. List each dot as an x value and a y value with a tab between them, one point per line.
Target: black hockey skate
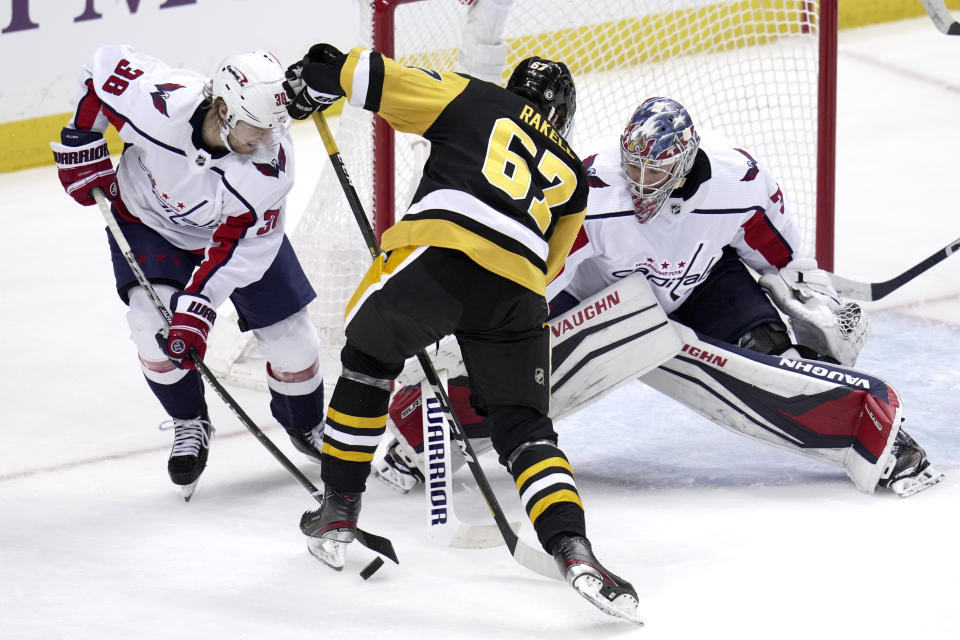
188	456
398	470
607	592
908	471
309	443
331	527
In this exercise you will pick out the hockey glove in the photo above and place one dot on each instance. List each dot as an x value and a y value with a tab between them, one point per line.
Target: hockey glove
314	81
83	162
821	319
192	320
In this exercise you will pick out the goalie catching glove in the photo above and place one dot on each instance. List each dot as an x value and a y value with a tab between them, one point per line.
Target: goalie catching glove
83	162
314	81
192	320
821	319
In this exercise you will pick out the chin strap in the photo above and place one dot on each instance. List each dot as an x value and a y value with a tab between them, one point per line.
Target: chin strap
224	135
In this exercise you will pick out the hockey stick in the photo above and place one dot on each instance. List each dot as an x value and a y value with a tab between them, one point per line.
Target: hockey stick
376	543
533	559
444	525
942	19
876	290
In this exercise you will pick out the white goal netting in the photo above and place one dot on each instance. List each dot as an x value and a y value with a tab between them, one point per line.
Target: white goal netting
748	69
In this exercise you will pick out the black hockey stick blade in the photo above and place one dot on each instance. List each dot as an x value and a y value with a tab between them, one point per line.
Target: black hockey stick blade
876	290
941	17
378	544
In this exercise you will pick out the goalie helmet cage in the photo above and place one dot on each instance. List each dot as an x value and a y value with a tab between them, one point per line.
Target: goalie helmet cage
761	72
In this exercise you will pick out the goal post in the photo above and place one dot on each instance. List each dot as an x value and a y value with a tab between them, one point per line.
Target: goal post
760	72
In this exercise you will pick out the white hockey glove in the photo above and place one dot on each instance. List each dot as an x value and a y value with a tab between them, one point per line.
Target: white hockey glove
821	319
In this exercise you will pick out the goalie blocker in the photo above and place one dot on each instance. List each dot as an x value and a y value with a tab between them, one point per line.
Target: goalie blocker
833	413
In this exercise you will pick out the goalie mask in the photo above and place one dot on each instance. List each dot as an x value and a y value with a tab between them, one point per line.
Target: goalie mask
548	85
251	87
657	150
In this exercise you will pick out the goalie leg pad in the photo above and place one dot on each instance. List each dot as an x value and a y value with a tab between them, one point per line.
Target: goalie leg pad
609	338
831	413
443	525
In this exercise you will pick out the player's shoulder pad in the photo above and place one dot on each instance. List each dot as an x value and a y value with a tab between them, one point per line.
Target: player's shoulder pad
145	90
732	162
601	159
261	180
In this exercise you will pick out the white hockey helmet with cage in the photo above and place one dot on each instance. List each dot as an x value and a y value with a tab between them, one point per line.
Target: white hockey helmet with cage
657	151
251	87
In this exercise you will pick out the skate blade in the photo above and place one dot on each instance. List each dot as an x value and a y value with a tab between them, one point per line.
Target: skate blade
188	489
330	552
906	487
311	458
623	606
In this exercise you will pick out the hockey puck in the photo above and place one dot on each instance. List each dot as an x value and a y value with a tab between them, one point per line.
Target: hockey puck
371	568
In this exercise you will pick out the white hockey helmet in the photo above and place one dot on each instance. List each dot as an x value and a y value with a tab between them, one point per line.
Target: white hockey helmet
251	86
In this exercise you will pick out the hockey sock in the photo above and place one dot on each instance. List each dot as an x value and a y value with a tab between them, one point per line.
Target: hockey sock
183	399
548	491
356	420
296	398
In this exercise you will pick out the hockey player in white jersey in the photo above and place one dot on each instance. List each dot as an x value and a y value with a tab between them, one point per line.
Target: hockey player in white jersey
690	216
199	193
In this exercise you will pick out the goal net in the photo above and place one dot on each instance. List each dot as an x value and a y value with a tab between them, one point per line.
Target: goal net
760	72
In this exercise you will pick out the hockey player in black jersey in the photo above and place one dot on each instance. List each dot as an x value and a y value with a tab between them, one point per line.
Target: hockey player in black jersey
501	201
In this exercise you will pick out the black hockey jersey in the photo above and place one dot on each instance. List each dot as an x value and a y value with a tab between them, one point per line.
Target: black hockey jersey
500	184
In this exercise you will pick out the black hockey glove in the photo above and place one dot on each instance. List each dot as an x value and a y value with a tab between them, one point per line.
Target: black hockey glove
314	81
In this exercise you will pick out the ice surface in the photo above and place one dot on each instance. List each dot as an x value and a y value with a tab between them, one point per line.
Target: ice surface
722	537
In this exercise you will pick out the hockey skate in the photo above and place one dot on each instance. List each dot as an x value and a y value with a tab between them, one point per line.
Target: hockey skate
332	527
188	456
399	469
908	471
309	443
609	593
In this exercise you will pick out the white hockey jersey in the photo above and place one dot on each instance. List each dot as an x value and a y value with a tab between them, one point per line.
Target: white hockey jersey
727	199
231	207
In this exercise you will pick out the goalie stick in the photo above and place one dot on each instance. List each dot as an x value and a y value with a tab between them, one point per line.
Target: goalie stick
375	543
876	290
942	18
533	559
444	525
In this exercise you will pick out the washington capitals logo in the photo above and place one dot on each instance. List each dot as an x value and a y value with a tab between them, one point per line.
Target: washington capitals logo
752	170
161	94
238	75
274	167
595	180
